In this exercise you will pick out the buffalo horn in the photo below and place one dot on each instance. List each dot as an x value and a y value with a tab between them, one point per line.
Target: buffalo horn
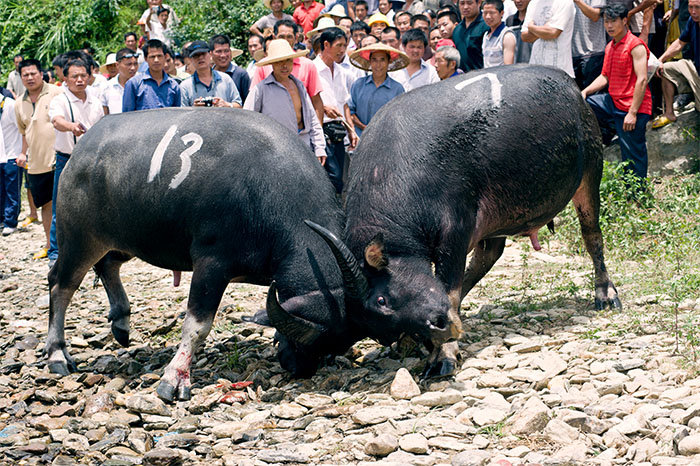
293	327
356	286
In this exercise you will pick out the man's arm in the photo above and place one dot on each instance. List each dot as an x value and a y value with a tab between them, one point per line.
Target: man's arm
642	6
598	84
21	160
350	126
351	10
317	103
543	32
129	97
509	49
592	13
65	126
672	50
639	61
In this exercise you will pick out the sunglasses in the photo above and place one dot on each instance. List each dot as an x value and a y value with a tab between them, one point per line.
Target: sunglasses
129	55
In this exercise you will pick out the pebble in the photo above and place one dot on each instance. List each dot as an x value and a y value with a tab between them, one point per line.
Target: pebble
375	414
148	404
404	387
690	445
447	397
533	417
414	443
381	445
289	411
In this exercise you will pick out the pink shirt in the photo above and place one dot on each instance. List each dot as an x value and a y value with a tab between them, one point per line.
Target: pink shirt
305	17
304	70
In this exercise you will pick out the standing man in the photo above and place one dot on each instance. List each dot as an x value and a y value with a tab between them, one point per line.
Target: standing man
255	43
72	113
447	62
337	121
131	41
588	41
550	25
626	108
267	22
38	136
14	80
498	47
515	23
153	88
223	54
306	13
390	36
417	73
127	64
468	35
207	82
446	22
10	147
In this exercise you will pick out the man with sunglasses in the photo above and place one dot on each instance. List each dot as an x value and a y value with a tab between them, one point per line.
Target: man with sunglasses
127	64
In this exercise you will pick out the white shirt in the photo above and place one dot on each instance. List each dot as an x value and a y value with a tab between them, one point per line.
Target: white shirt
335	92
352	73
10	139
558	14
112	95
88	113
425	75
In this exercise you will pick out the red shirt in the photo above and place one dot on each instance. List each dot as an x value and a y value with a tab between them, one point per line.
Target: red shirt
303	69
305	17
618	67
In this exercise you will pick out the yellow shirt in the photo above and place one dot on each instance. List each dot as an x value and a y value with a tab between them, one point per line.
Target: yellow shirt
34	124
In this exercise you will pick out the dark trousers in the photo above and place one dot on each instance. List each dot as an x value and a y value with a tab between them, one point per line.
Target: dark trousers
10	183
334	164
61	161
587	68
633	144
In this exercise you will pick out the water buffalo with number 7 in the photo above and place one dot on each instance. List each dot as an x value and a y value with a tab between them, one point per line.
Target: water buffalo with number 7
220	192
454	168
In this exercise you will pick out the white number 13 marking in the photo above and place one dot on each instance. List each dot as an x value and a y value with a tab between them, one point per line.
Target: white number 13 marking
157	159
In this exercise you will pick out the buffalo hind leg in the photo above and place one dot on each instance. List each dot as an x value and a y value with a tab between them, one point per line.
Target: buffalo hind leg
107	269
64	279
209	282
587	203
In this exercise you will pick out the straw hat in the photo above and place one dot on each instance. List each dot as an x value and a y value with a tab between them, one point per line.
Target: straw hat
279	50
397	59
324	23
285	4
337	11
110	60
378	18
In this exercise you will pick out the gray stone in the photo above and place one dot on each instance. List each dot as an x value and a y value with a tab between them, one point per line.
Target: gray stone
313	400
282	456
376	414
471	458
184	441
381	445
404	387
414	443
446	397
690	445
488	416
447	443
531	418
625	365
642	451
162	457
227	429
289	411
558	431
494	379
148	404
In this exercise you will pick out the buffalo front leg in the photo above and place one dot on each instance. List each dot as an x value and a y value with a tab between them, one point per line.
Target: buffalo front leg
206	290
485	255
107	270
587	203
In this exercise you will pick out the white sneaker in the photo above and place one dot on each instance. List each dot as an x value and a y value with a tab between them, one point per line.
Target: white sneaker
7	231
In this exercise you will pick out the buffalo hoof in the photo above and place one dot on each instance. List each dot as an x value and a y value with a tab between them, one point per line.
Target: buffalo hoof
121	335
60	368
166	392
184	393
614	303
441	368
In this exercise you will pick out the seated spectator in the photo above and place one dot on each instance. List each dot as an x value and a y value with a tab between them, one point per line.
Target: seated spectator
370	93
306	13
149	19
153	88
446	23
682	74
361	10
113	93
377	23
514	22
626	108
207	87
499	42
10	182
447	62
264	25
223	54
390	36
468	35
417	73
549	24
283	97
384	8
358	31
402	21
255	44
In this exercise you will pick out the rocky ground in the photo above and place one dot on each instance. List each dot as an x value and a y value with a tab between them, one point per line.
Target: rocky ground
544	379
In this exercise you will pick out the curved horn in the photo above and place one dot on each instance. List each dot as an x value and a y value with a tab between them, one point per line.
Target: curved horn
295	328
356	285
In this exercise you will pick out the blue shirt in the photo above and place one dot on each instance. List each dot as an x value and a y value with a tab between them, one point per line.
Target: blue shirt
221	86
691	35
241	79
143	92
366	99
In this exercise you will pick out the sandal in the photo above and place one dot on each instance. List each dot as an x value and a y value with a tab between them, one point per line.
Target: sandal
43	252
661	121
27	221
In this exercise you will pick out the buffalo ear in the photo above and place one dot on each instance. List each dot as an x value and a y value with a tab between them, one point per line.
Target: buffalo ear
374	253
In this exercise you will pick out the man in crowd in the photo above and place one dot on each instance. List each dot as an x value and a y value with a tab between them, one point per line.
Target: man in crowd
337	120
390	36
255	43
358	31
207	86
681	74
626	108
515	22
10	147
550	25
402	20
446	22
72	114
267	22
306	13
171	68
222	53
588	41
14	80
370	93
113	93
283	97
131	41
447	62
153	88
417	73
498	47
468	35
361	10
38	136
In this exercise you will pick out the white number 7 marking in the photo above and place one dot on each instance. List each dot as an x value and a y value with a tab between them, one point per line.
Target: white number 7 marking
157	159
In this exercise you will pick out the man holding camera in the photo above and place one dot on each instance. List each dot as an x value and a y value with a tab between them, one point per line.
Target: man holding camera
207	87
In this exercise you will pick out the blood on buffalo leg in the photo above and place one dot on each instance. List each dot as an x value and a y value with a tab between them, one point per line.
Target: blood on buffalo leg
206	290
107	269
65	277
587	203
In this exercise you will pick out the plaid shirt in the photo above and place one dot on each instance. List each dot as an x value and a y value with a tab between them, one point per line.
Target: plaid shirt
619	69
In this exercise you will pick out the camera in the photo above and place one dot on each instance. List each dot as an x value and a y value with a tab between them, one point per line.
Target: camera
208	101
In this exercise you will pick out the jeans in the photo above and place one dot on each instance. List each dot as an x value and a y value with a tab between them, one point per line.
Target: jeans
334	164
633	144
9	193
61	161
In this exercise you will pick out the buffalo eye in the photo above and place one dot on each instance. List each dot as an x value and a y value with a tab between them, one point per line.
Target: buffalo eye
381	301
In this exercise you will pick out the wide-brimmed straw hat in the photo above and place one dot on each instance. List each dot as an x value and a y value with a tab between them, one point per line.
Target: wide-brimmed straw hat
337	11
397	59
324	23
285	3
378	18
110	60
280	50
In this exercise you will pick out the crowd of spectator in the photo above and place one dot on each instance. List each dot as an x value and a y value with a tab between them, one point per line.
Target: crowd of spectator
325	70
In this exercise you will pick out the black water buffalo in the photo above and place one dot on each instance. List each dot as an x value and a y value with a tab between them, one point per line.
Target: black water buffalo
455	167
220	192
